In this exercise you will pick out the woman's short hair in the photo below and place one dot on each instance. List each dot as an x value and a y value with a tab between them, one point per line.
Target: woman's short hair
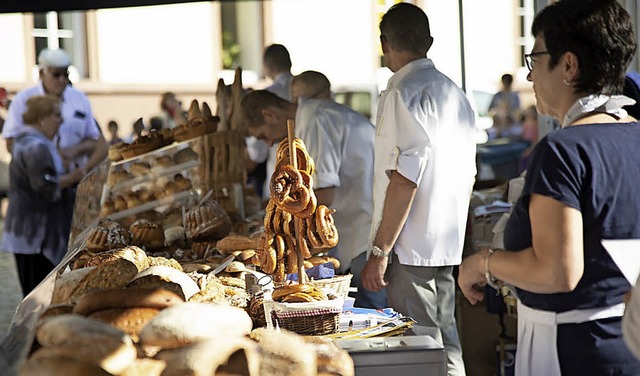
254	102
598	32
39	107
406	27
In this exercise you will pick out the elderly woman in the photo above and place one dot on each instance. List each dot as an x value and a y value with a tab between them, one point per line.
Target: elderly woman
581	187
36	229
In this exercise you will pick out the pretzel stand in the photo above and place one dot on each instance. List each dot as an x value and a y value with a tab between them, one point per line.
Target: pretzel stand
302	308
293	155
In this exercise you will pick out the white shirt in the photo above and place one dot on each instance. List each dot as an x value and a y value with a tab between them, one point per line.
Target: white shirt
280	85
340	141
77	125
425	130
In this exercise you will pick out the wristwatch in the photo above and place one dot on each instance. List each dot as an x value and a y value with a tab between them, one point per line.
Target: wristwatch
378	252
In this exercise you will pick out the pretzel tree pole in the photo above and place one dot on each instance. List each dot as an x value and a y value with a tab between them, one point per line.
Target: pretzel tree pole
293	158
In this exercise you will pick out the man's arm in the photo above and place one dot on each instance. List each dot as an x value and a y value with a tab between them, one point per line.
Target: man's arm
325	196
99	153
397	204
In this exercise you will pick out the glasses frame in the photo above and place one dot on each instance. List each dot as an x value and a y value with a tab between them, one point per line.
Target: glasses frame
528	58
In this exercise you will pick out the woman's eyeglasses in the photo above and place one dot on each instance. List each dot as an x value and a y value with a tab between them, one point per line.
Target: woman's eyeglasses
529	58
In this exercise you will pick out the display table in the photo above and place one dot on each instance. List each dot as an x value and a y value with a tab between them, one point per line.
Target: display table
405	355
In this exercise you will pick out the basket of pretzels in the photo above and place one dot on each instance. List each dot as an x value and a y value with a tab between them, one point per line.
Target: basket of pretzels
303	309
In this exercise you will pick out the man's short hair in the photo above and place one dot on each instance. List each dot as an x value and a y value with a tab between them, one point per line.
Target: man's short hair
506	79
277	56
53	58
406	28
254	102
316	81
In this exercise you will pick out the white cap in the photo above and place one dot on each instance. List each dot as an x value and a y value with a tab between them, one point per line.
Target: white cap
53	59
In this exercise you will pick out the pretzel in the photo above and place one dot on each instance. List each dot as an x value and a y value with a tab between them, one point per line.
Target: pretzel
280	247
268	216
305	162
291	256
301	242
312	235
279	273
326	227
288	190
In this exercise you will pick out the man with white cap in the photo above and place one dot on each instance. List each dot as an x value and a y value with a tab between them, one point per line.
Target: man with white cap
79	139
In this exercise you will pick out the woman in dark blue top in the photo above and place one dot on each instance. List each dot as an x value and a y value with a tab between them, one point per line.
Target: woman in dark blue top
581	187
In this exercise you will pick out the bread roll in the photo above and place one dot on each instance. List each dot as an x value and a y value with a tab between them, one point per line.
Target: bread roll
189	322
129	320
109	354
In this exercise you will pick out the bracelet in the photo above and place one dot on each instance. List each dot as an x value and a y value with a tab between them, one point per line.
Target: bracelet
491	280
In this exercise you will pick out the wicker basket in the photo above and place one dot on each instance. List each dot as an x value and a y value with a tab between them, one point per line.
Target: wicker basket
340	284
315	318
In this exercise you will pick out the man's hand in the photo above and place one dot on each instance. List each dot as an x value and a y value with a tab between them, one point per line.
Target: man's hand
470	275
373	273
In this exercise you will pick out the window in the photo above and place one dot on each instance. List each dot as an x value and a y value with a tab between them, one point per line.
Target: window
524	13
64	30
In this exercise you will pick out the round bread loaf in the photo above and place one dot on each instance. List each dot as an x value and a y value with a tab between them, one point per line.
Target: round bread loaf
145	367
132	253
190	322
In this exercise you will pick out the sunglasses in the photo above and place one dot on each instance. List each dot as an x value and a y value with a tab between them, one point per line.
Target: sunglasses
59	74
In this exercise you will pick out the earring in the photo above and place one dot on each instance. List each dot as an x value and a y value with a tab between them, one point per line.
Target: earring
566	82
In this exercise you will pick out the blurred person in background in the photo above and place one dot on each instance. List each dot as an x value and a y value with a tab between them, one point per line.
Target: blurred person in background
581	187
38	221
136	131
79	140
311	85
112	127
172	111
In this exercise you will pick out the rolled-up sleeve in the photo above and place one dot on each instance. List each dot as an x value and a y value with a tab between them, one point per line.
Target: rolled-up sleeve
411	154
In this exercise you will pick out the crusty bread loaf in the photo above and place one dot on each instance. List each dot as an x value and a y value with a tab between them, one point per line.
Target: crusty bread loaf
168	274
284	353
67	283
115	274
145	367
129	320
55	366
77	337
189	322
232	355
232	243
121	298
212	292
56	310
163	261
108	234
132	253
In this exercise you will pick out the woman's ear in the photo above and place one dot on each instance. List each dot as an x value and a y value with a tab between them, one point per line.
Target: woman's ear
571	67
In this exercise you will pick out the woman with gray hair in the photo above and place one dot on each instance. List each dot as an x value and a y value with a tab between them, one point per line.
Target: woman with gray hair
36	229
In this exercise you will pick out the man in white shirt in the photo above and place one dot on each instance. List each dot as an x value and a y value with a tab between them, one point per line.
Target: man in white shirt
79	139
423	178
340	141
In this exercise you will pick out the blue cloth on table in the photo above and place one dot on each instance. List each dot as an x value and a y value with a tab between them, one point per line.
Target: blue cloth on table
322	271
